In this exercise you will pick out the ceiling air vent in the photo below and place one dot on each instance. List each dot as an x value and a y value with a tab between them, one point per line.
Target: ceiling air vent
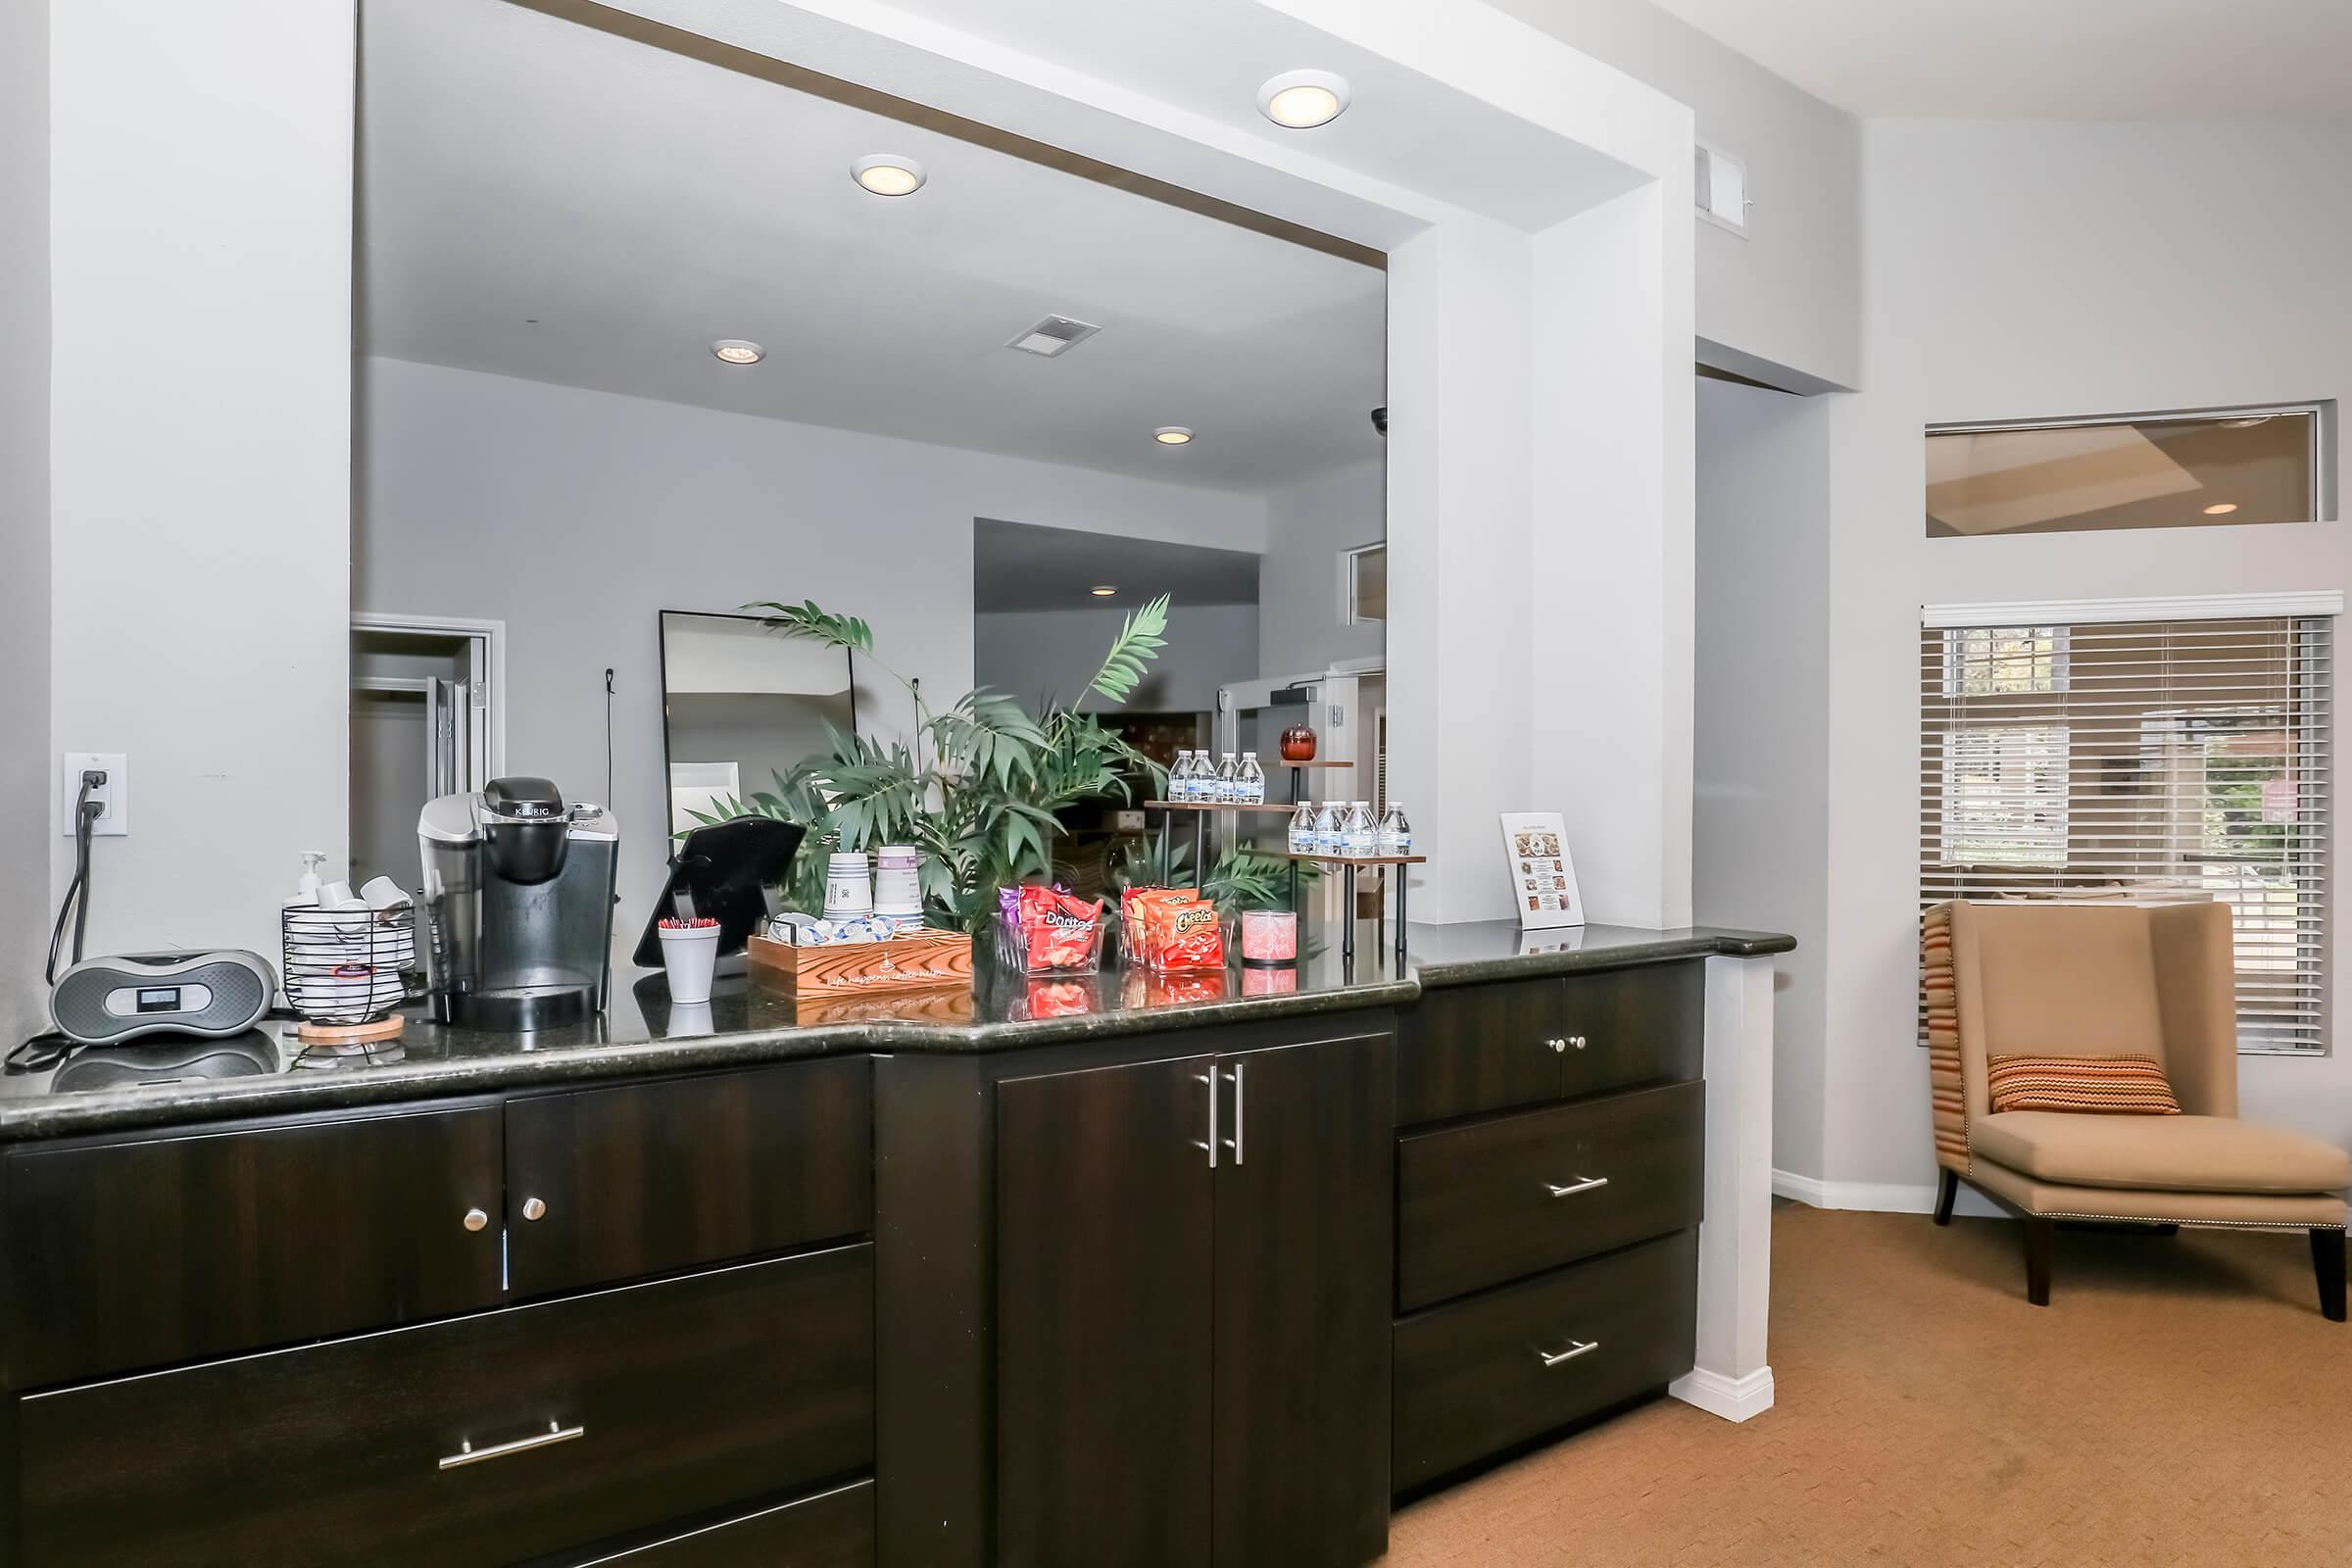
1051	335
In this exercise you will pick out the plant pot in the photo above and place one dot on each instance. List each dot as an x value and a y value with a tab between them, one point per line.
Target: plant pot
689	954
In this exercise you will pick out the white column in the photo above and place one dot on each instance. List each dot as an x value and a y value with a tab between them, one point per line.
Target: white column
1732	1378
200	447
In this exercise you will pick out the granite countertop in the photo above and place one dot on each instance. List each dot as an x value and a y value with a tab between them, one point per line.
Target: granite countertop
268	1070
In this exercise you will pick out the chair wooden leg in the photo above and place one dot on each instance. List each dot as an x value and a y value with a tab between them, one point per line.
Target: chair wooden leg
2038	1259
2327	1262
1947	1187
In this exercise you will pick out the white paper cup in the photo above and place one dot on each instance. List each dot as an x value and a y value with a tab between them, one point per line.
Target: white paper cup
689	955
849	886
898	880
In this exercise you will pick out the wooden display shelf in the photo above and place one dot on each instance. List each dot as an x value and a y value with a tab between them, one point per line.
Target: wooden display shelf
1284	806
1353	860
1314	762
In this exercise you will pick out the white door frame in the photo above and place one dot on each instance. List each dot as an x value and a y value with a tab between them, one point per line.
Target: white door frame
493	637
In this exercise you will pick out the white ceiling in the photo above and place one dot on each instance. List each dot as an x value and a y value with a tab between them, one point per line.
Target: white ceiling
1018	565
2269	60
543	200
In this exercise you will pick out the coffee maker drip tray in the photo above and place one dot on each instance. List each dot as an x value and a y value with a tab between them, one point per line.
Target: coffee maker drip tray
519	1008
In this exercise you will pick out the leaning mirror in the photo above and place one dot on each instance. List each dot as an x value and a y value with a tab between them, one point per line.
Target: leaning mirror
740	706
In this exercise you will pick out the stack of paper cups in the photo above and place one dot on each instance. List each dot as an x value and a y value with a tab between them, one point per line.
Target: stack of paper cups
899	881
849	886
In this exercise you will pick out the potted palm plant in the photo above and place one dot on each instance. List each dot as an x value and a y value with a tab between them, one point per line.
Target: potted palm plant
979	785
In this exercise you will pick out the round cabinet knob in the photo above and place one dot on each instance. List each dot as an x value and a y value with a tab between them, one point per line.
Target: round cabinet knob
475	1219
1579	1040
1557	1043
533	1208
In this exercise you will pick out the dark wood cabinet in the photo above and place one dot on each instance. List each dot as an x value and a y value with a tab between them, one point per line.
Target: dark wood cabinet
1512	1043
1484	1373
1104	1272
480	1441
1301	1349
831	1528
619	1183
1191	1275
1490	1200
148	1251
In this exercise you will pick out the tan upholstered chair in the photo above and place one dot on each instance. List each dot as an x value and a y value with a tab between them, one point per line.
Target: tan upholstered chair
2112	980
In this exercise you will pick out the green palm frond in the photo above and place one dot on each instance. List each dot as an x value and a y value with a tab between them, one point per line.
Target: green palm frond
806	619
1138	642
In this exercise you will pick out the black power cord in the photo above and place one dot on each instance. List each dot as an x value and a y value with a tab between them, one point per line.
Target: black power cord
77	901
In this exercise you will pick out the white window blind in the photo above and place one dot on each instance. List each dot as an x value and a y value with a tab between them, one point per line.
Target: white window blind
2142	760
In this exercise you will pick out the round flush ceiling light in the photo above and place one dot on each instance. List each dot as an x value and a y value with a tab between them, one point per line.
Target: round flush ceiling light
738	351
1103	591
2220	508
888	174
1302	99
1172	435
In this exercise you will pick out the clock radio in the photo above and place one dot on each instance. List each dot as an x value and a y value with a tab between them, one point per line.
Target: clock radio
106	1000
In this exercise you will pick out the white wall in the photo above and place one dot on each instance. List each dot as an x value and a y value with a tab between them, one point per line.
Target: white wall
1308	526
2021	269
1029	653
1786	294
1761	818
200	273
25	787
576	516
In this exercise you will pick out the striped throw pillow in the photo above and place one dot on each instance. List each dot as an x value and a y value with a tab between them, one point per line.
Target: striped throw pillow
2126	1086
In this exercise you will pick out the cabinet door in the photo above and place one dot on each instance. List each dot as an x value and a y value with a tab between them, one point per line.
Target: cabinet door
1105	1206
179	1246
1302	1340
632	1180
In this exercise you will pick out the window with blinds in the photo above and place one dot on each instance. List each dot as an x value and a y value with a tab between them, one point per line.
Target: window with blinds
2144	762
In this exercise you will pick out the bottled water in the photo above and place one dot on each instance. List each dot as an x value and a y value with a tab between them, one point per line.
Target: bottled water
1303	839
1357	834
1228	780
1395	836
1250	784
1180	778
1327	829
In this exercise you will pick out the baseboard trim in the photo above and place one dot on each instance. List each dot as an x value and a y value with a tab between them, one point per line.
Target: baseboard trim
1883	1197
1733	1399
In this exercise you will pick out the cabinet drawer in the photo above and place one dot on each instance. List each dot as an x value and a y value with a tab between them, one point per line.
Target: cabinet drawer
1491	1047
1481	1375
1478	1048
834	1529
179	1248
639	1179
1484	1203
585	1418
1624	1027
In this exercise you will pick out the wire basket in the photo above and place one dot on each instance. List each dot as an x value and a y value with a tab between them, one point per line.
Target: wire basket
349	964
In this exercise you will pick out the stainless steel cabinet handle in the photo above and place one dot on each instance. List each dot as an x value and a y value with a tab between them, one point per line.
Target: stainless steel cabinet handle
1583	1184
475	1219
533	1208
1210	1078
1235	1141
468	1454
1556	1043
1578	1041
1549	1357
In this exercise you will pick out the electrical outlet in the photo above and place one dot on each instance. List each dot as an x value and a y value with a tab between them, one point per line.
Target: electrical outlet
114	796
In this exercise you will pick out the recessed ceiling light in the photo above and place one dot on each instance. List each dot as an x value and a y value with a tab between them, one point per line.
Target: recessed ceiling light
888	174
738	350
1103	591
1302	99
2220	508
1172	435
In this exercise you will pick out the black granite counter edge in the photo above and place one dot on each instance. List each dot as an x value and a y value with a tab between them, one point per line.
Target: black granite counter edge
1665	947
223	1100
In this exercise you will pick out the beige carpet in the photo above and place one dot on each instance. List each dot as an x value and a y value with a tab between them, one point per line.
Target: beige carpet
2181	1400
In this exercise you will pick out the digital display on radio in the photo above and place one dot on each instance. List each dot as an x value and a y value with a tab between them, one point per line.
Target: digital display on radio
159	999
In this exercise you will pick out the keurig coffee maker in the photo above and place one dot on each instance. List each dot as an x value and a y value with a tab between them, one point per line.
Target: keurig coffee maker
518	906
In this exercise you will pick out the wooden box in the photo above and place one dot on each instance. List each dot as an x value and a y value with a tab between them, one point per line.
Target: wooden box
925	961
